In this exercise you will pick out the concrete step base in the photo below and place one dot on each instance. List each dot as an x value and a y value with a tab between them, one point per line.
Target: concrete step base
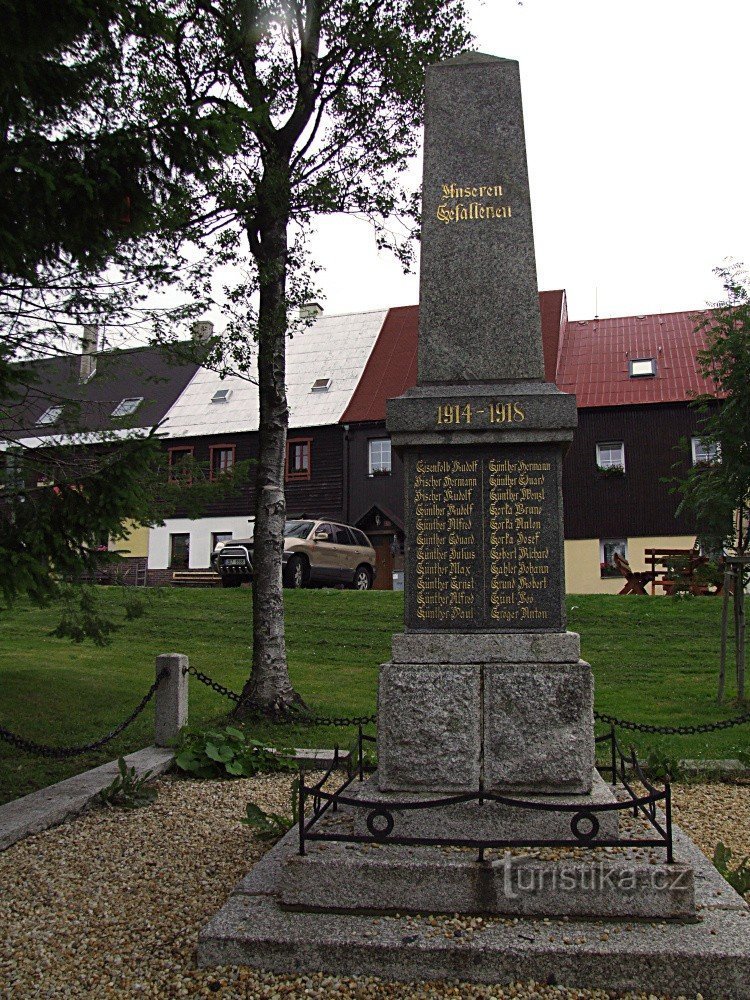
469	820
710	956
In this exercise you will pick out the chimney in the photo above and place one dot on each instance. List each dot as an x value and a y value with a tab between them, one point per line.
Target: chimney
310	310
202	331
89	346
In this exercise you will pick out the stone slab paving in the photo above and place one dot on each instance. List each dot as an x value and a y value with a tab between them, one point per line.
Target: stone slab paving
49	806
52	805
710	956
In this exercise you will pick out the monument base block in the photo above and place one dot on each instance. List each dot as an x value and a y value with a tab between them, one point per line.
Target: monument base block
491	820
511	727
710	956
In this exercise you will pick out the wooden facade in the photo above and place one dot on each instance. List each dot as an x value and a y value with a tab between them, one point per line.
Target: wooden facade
322	495
639	503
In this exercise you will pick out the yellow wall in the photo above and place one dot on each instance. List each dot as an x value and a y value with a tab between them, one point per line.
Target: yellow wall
582	575
136	543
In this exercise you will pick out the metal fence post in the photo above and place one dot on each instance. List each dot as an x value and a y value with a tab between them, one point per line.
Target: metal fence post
171	709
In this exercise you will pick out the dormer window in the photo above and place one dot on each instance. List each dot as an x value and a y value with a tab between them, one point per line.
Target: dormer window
221	396
642	367
321	385
127	406
50	416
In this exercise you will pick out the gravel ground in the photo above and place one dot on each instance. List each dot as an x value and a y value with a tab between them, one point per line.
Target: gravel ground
110	904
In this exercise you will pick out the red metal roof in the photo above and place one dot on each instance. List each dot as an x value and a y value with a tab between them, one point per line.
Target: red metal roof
595	357
392	366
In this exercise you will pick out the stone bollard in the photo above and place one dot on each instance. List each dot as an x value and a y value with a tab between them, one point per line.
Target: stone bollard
171	711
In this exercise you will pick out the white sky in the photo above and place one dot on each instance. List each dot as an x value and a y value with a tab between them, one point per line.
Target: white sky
636	132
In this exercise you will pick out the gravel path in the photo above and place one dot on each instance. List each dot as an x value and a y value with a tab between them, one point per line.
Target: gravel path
110	904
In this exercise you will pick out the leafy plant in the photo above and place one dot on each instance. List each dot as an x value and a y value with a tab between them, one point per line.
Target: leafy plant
611	471
227	752
739	876
128	790
660	765
269	825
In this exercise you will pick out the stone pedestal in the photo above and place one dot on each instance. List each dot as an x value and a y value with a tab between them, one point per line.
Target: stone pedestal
515	715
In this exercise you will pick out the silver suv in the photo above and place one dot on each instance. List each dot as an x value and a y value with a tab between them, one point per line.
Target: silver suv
315	551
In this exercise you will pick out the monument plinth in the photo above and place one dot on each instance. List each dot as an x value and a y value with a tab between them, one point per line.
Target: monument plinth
482	436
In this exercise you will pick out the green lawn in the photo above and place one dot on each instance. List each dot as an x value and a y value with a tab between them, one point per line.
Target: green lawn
654	659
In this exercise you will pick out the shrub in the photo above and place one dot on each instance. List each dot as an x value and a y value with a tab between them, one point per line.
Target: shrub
227	752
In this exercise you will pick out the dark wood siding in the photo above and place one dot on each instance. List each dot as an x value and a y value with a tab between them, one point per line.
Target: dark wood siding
321	495
366	491
639	503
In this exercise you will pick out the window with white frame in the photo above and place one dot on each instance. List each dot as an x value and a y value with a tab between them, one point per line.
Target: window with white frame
611	455
127	406
379	463
642	367
608	548
50	416
705	452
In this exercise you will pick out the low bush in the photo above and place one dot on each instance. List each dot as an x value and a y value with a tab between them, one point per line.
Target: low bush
227	752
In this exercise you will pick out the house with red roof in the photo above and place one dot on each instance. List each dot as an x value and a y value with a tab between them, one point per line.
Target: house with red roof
633	378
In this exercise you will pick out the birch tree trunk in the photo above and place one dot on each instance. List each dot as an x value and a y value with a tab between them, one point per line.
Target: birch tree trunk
269	689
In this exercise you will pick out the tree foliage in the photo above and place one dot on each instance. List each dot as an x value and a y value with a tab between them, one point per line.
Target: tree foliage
324	99
718	492
90	173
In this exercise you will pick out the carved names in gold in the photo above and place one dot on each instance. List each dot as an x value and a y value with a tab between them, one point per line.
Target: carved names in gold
482	553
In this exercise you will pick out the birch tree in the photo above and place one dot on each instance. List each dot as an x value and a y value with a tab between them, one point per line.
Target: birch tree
323	101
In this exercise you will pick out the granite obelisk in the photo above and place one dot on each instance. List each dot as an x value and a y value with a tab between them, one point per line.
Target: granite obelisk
485	687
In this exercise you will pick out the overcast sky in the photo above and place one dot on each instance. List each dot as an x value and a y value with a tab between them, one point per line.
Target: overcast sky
636	132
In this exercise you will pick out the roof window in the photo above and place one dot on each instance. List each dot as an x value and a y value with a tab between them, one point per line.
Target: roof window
127	406
50	416
321	385
221	396
642	367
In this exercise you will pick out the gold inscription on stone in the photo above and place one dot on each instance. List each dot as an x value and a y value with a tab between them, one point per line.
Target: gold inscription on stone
480	549
460	204
461	414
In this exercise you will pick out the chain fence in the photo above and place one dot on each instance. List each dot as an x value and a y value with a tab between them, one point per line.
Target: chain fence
644	727
364	720
60	753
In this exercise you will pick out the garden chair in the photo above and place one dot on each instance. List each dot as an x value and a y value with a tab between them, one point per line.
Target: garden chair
635	580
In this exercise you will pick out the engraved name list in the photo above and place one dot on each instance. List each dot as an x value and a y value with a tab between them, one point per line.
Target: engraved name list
485	540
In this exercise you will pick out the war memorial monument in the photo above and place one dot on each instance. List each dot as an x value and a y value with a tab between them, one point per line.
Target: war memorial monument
486	801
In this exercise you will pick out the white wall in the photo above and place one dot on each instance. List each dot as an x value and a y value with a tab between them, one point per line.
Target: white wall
200	532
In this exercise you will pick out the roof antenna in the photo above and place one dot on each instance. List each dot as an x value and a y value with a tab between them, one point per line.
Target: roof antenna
596	302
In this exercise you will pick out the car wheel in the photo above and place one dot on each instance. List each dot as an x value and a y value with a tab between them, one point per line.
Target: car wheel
295	573
362	578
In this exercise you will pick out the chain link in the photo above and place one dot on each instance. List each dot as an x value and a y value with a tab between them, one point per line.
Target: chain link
43	750
643	727
365	720
301	720
214	685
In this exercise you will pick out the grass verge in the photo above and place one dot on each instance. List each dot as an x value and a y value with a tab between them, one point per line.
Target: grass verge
655	660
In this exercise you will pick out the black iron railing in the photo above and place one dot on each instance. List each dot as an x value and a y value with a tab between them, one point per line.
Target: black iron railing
381	820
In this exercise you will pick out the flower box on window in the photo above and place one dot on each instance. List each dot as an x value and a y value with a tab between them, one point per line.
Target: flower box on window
611	471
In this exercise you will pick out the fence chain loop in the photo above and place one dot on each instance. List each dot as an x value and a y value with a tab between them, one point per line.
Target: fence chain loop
59	753
365	720
643	727
214	685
